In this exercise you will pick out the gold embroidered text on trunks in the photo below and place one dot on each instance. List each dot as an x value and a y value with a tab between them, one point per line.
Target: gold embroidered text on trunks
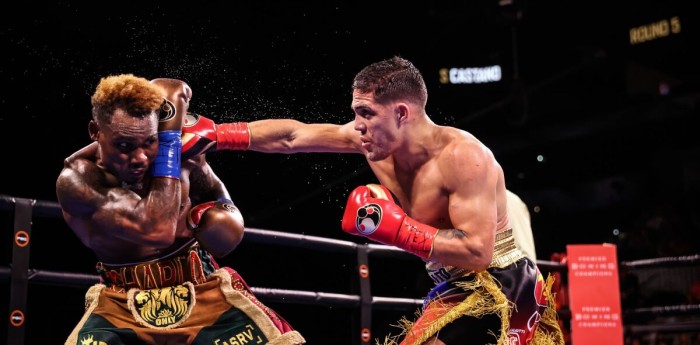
186	267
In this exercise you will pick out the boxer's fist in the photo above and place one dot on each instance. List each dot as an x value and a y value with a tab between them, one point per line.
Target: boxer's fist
174	108
201	134
172	113
198	135
372	213
368	215
217	225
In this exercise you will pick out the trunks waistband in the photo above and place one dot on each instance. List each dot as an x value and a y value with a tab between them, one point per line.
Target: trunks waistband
455	286
504	251
189	264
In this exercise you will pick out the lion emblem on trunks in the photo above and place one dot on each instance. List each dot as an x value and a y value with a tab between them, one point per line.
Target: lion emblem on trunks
162	308
368	218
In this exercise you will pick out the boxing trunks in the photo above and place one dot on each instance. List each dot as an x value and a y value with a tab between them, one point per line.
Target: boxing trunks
184	298
509	303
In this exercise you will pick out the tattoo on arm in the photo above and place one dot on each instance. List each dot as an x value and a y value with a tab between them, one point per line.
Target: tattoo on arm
451	233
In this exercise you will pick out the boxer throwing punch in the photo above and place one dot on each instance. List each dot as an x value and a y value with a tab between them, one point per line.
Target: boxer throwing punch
450	207
155	224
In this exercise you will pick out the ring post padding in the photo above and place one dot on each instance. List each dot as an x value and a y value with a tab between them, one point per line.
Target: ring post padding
365	295
19	270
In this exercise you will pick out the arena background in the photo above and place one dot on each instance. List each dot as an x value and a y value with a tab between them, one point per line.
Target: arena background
614	123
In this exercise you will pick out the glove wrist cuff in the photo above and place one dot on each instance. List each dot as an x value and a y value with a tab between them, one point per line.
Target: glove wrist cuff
194	217
233	136
416	238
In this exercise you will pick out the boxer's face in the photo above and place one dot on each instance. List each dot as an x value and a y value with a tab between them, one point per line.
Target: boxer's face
128	145
377	125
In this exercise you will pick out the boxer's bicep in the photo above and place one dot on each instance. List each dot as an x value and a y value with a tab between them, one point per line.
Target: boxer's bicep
205	185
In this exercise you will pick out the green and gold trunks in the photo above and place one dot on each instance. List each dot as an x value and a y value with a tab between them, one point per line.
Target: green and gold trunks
180	304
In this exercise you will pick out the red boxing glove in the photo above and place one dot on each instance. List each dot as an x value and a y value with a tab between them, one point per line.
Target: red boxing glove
372	213
194	217
217	225
196	214
200	135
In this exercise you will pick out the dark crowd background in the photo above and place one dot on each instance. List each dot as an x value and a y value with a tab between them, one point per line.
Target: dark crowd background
596	134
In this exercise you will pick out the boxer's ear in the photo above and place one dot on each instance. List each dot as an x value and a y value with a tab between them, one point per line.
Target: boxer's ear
93	130
401	110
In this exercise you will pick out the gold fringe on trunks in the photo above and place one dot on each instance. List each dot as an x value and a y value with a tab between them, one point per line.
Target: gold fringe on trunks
548	331
486	298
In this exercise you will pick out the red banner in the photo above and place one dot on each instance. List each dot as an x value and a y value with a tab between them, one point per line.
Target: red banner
594	295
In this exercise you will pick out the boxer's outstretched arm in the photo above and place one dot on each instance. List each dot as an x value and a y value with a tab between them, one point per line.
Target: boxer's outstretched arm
201	134
291	136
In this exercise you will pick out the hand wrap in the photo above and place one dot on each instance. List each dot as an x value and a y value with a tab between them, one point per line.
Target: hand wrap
167	162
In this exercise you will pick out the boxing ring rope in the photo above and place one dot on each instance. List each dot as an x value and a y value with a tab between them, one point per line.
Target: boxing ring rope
19	274
678	261
662	311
